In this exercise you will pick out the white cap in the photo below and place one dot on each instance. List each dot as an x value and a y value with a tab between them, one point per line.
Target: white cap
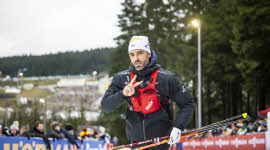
102	129
139	42
15	125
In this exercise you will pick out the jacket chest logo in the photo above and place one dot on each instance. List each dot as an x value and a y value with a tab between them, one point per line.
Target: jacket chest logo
149	105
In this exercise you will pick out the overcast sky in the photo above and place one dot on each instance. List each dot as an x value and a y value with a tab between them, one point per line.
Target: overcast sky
47	26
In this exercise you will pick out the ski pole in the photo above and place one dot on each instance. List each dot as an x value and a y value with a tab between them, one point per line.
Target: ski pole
162	142
184	136
199	130
142	142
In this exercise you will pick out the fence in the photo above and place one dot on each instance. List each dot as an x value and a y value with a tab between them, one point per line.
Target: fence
258	141
23	143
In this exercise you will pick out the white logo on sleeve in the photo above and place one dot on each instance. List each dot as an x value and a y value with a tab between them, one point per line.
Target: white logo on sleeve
183	89
149	105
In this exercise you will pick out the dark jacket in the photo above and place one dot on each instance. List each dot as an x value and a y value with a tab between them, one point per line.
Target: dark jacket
140	126
70	138
36	133
63	133
56	134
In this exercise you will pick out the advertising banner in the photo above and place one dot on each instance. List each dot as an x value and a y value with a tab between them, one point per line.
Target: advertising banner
256	141
23	143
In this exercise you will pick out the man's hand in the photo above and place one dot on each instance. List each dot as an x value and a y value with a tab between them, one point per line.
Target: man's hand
175	136
129	89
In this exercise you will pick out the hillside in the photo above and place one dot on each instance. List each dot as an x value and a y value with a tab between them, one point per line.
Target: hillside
58	64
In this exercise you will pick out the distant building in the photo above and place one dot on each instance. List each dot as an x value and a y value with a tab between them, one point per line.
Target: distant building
12	90
71	82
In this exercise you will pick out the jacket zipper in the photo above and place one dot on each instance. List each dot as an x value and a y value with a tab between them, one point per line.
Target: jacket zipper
144	127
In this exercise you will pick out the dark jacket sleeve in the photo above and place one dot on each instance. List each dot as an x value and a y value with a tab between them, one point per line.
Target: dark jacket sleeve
113	98
183	99
69	137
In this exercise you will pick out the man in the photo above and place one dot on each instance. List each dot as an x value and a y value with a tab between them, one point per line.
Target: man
148	88
69	129
56	132
38	131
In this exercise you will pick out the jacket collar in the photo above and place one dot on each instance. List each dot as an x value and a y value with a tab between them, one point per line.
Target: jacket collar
36	130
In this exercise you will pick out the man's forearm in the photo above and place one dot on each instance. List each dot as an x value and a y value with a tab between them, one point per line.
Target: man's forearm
110	102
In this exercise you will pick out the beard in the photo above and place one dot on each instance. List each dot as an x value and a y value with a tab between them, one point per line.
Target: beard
139	65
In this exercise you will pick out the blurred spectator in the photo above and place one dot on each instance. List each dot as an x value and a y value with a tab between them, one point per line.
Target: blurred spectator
115	141
240	128
89	134
69	137
38	131
256	125
59	133
262	128
95	134
70	130
220	132
85	134
55	131
234	131
102	133
5	132
215	132
23	130
14	129
251	128
228	131
1	130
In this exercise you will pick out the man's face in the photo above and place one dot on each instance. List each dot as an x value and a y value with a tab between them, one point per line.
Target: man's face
40	127
139	58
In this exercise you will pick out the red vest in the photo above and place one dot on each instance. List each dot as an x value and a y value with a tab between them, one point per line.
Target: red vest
147	101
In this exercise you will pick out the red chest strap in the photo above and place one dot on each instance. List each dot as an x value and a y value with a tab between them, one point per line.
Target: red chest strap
153	76
147	100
